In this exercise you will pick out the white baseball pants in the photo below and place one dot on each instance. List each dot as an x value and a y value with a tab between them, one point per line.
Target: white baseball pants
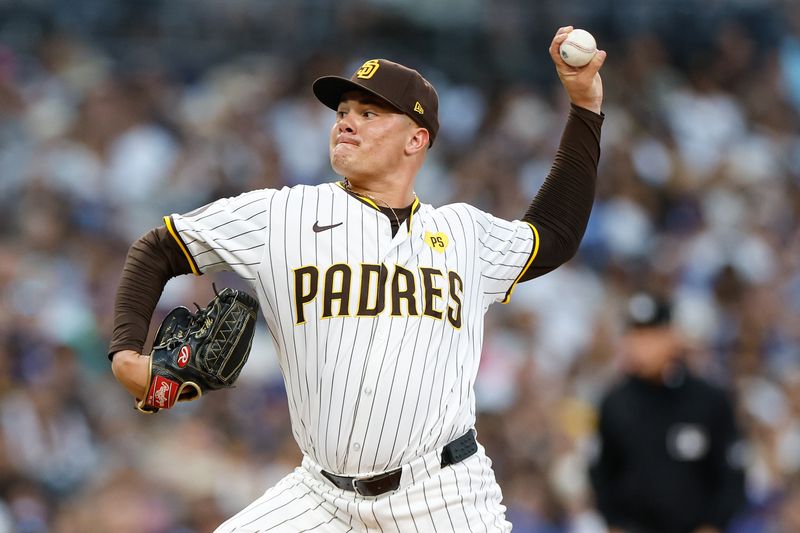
459	498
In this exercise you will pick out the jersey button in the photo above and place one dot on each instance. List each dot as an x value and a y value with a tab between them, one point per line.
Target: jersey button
356	446
367	390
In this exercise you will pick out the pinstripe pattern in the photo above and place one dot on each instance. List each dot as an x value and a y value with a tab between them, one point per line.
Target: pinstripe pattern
372	392
463	498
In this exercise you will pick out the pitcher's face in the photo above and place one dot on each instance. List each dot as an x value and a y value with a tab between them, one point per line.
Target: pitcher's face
369	136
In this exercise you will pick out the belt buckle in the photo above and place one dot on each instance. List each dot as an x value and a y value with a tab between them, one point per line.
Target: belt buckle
355	486
379	483
354	483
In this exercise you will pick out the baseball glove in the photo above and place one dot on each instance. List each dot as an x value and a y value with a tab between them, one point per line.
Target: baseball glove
197	352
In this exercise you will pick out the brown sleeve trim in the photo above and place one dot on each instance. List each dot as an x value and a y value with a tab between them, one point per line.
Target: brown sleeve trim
170	225
524	270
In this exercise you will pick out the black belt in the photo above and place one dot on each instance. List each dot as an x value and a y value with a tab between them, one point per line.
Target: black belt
452	453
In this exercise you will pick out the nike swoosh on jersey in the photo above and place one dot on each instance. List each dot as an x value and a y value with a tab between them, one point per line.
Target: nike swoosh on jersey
317	228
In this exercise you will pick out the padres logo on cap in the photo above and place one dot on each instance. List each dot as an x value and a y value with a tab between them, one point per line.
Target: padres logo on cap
368	69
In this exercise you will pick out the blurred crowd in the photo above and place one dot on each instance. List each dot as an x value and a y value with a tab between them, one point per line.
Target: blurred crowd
115	113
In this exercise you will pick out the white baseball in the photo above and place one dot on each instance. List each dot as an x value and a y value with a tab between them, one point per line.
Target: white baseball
578	48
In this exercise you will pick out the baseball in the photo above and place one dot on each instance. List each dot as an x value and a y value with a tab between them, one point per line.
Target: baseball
578	48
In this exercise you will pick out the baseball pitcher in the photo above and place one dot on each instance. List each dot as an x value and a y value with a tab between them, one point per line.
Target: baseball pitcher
375	302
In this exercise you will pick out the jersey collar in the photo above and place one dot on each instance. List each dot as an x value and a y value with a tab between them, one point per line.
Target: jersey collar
415	205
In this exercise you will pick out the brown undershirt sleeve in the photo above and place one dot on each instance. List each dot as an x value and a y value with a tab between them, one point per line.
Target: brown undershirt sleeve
560	211
151	262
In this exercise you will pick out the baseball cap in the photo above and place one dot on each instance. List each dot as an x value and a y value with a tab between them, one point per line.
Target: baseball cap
400	86
647	310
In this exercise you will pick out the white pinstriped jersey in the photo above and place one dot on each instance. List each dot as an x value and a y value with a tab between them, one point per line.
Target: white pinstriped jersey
379	337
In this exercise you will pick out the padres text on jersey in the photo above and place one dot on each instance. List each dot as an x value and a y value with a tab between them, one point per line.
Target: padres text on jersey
428	292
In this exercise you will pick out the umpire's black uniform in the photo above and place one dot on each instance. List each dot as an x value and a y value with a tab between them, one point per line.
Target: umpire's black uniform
670	456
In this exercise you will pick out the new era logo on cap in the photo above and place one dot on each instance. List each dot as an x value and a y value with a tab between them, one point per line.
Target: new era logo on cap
400	86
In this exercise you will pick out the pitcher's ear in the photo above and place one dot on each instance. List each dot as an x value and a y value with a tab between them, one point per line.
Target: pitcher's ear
419	141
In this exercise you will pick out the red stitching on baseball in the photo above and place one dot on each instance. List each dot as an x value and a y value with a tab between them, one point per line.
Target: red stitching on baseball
579	47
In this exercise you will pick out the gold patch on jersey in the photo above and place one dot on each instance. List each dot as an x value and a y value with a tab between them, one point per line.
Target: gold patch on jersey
437	241
368	69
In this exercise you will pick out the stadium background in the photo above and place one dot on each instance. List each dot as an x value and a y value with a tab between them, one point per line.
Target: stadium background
115	112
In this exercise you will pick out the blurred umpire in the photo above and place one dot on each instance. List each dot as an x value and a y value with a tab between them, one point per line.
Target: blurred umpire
670	455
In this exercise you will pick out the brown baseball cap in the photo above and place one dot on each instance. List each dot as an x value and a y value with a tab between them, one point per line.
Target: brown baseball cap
400	86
